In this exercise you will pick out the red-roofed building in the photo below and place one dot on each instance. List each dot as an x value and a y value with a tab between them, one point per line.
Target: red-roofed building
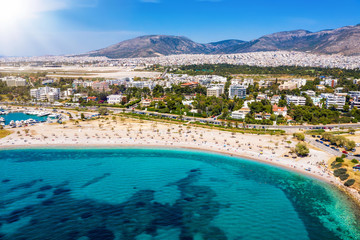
190	84
88	99
280	110
158	99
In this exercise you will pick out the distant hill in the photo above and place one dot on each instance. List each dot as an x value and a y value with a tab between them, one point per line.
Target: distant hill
153	46
345	40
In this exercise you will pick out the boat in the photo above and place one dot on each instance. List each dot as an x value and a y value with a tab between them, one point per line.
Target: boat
30	121
43	114
2	119
12	124
54	115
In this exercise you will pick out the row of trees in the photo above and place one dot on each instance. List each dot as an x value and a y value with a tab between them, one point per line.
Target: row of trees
339	141
21	94
228	69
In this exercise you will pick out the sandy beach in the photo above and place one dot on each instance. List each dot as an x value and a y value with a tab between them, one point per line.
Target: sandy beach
127	132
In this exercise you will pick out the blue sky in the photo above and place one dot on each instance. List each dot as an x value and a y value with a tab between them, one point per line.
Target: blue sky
77	26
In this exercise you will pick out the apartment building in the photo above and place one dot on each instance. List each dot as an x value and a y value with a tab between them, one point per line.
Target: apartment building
14	81
237	91
214	91
45	94
297	100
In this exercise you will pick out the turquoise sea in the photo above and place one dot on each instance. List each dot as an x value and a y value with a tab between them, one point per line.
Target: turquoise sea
158	194
18	116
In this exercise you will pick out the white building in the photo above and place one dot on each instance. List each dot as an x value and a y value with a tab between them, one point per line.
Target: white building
310	93
300	82
329	82
14	81
295	100
238	91
240	114
67	93
214	91
317	101
45	94
334	100
78	96
354	94
81	83
355	102
187	102
114	99
275	99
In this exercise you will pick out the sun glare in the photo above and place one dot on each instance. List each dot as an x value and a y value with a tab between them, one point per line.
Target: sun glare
12	11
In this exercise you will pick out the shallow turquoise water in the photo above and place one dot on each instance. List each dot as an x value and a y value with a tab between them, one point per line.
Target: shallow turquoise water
163	194
17	116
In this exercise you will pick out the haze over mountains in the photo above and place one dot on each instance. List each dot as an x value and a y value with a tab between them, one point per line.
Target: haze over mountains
345	40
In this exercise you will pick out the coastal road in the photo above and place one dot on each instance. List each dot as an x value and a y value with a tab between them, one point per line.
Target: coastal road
329	150
218	122
210	120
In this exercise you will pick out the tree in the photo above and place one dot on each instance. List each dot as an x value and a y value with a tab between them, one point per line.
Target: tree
10	96
299	136
158	91
301	150
103	111
82	116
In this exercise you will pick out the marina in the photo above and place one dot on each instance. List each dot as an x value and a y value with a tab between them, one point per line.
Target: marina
20	119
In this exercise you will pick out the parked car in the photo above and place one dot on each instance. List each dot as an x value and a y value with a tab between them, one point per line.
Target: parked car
345	152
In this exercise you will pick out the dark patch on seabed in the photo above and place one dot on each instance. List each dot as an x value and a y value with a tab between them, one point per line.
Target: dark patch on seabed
24	185
95	180
65	218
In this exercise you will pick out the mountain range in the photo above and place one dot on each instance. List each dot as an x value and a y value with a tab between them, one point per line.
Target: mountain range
345	40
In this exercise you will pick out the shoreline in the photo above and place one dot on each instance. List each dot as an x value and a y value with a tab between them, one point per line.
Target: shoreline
122	132
163	147
355	198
